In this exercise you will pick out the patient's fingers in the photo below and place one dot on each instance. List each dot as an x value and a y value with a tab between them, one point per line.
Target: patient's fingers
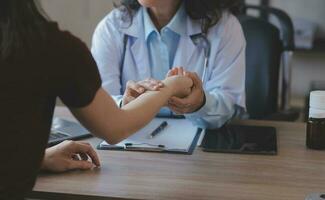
151	84
181	71
172	72
80	164
134	86
86	149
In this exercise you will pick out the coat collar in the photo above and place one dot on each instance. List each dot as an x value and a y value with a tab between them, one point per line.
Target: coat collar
138	50
176	24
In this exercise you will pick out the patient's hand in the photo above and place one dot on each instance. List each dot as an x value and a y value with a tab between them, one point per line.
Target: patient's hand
179	71
135	89
180	84
194	100
70	155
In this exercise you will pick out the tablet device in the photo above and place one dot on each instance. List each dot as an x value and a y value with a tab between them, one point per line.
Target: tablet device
241	139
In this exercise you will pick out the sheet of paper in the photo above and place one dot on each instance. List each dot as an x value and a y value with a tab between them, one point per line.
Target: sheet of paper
178	135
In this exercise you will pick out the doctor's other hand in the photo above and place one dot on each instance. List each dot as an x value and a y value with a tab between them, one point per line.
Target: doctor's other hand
135	89
70	155
191	103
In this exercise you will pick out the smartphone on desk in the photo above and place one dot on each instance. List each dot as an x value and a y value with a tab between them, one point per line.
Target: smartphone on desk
241	139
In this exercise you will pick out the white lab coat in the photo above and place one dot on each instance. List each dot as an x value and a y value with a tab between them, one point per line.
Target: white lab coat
225	85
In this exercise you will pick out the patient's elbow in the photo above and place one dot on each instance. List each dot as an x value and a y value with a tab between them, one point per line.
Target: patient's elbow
112	141
113	133
115	137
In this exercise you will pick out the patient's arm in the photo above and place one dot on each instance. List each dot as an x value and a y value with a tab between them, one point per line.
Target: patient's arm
134	89
104	119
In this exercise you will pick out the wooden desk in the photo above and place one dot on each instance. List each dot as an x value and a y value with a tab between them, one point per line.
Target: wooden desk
291	175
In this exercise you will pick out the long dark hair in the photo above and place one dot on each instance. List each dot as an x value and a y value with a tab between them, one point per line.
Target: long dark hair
208	11
21	23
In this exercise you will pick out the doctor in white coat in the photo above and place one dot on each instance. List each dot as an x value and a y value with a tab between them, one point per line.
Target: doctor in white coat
138	43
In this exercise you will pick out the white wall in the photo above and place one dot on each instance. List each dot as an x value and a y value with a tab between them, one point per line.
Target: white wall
78	16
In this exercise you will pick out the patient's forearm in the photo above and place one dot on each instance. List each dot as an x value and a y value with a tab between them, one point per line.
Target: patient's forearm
113	124
103	118
145	107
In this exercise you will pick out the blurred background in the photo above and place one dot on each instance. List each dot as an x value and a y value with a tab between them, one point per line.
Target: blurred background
308	67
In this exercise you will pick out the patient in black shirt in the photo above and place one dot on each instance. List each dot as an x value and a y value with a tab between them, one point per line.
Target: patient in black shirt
38	63
30	81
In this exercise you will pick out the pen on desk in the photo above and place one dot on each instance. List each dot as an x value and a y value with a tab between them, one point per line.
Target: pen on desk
158	130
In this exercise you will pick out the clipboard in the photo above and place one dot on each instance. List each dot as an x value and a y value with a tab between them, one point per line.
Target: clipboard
180	137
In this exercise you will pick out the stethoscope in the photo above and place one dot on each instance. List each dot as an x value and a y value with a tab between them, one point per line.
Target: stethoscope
200	40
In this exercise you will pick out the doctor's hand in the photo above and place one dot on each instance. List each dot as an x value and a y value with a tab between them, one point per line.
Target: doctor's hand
135	89
70	155
194	101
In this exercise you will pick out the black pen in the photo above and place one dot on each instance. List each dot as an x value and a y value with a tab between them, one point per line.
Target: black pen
158	130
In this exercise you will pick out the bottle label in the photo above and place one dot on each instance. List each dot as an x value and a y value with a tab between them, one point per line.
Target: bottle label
316	113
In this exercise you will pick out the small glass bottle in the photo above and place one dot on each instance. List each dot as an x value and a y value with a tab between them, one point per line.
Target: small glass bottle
316	123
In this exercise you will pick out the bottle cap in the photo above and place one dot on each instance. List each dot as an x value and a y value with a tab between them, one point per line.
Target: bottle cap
317	100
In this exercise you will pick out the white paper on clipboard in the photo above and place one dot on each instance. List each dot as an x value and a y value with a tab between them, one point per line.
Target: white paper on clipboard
177	136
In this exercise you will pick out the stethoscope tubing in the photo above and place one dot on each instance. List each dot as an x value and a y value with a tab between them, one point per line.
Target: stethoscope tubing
204	43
